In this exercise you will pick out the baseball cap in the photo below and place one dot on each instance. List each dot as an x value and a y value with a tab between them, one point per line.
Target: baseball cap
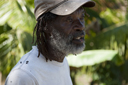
59	7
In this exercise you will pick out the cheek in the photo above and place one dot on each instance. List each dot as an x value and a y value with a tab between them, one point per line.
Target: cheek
66	28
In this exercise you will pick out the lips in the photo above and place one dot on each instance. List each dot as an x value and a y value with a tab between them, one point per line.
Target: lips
79	39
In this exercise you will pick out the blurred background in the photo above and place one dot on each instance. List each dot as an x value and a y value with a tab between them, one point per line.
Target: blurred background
105	58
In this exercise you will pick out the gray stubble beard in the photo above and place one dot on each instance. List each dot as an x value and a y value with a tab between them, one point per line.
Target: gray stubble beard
63	43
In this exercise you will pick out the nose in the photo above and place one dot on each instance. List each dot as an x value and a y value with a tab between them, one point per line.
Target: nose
79	25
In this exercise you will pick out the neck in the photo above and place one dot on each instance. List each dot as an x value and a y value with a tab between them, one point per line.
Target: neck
55	54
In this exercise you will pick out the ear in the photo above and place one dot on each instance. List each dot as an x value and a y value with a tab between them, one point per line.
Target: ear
47	31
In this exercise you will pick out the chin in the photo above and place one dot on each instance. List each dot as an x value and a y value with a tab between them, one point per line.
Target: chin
77	49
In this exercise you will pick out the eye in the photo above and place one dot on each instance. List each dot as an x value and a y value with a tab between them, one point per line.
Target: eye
69	19
82	18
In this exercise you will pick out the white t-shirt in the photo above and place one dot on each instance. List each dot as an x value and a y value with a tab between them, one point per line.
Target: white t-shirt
33	70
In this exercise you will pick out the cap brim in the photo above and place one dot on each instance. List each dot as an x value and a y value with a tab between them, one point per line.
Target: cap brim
70	6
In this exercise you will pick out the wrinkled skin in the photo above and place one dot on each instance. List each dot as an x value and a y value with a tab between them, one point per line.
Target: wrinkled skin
67	35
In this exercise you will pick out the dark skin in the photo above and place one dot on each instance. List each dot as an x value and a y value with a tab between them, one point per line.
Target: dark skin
69	24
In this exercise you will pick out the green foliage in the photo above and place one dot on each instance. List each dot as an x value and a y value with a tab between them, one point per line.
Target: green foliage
17	15
5	28
89	58
106	66
16	25
109	39
112	17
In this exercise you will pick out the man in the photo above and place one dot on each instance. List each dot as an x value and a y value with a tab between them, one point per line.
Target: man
59	31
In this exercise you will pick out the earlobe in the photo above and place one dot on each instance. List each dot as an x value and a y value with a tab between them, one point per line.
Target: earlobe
45	27
47	31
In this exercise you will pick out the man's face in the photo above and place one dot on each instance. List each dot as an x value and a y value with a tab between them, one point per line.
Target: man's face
68	33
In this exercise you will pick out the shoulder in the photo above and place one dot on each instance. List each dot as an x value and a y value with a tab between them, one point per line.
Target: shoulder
20	77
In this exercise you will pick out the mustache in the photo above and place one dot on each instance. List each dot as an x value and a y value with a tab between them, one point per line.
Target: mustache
79	33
